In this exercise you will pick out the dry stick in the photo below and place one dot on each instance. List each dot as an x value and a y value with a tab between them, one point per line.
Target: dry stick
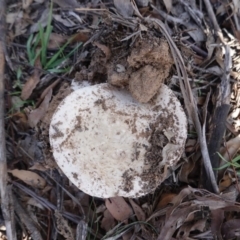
26	219
190	104
5	203
218	121
212	16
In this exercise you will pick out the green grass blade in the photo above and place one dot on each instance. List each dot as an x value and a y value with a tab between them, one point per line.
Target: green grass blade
222	157
61	70
54	62
36	56
222	167
36	41
29	50
47	34
74	49
236	159
55	56
19	73
43	54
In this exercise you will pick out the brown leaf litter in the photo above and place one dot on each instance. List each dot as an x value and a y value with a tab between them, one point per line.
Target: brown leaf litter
126	45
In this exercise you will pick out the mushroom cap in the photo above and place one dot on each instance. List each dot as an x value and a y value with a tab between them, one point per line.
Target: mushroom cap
108	144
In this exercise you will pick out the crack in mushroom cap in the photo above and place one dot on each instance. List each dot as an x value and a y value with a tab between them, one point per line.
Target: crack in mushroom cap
108	144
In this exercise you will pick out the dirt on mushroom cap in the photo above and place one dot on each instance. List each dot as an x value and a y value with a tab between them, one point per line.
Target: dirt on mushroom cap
120	153
143	70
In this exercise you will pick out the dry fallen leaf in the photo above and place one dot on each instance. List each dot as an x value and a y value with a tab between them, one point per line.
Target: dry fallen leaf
231	148
29	86
21	120
176	220
30	178
63	226
39	167
168	5
184	230
119	209
108	221
230	229
225	182
37	114
104	48
11	18
81	36
26	3
35	203
138	211
185	170
56	40
217	217
166	198
142	3
124	7
67	4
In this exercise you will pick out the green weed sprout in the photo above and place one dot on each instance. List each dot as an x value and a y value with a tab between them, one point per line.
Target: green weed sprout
38	48
18	83
234	163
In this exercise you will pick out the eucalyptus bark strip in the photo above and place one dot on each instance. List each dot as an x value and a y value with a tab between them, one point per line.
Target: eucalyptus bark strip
4	190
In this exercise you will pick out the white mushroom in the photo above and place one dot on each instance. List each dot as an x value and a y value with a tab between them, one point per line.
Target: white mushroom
108	144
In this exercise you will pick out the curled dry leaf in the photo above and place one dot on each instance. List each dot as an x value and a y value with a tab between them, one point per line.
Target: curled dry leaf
30	178
179	198
37	114
106	50
138	211
119	208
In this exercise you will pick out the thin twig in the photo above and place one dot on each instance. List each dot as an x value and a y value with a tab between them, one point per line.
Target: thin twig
27	220
5	200
213	18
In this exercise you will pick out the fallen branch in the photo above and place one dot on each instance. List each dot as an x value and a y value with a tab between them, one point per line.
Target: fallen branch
5	194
